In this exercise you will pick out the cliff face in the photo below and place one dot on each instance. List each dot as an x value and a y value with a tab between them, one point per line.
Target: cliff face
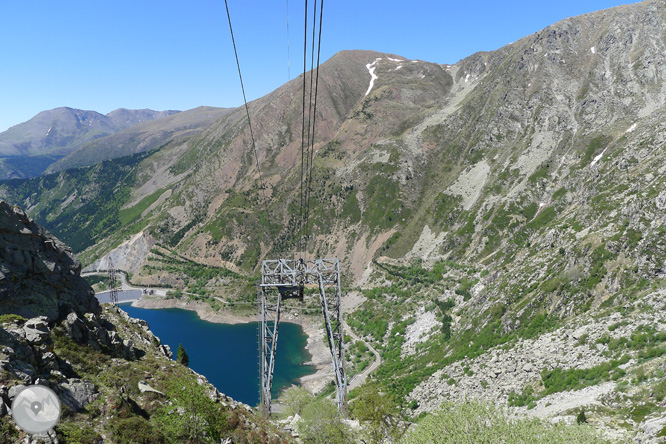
39	275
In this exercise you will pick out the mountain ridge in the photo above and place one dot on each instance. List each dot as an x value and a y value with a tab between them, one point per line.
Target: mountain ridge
57	132
140	137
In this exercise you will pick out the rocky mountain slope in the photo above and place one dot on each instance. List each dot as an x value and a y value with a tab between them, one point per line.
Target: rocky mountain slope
476	207
28	148
115	380
39	275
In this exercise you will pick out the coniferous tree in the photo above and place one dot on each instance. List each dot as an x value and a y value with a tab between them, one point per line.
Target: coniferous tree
581	418
181	356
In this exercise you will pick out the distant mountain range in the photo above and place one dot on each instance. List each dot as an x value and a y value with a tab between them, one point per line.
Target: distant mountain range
30	148
140	137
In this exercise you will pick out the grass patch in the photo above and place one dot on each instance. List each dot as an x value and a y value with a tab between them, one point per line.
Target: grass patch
559	380
129	215
384	208
540	173
12	319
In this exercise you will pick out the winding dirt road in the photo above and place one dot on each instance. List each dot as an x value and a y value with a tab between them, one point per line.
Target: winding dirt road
359	379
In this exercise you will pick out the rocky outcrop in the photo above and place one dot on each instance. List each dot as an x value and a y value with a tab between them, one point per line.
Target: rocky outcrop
584	343
39	275
86	353
98	334
31	353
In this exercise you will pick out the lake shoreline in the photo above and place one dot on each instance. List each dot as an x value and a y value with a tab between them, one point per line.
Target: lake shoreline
320	356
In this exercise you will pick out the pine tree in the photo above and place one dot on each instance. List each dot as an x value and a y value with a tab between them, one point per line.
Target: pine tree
581	418
181	356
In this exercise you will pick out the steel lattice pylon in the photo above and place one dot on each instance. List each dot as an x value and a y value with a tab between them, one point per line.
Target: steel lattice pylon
285	279
113	284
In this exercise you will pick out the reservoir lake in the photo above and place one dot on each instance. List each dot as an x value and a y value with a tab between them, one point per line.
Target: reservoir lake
228	355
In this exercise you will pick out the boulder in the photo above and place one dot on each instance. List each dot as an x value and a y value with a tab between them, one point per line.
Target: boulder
75	329
129	350
13	391
24	371
166	351
76	394
651	428
49	362
143	388
36	330
5	404
660	201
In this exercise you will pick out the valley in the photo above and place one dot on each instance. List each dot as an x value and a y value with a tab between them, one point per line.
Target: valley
500	221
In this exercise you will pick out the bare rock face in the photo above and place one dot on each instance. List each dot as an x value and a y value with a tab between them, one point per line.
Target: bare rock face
129	256
39	275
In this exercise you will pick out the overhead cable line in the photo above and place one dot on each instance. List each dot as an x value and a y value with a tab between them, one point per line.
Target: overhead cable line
288	55
314	121
302	205
249	122
312	51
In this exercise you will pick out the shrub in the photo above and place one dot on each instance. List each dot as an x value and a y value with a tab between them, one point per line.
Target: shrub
181	356
524	399
559	380
72	434
135	430
322	424
582	340
295	399
378	413
12	318
7	429
192	416
474	422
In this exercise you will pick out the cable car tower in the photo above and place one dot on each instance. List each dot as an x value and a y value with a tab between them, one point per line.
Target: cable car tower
283	279
113	283
286	279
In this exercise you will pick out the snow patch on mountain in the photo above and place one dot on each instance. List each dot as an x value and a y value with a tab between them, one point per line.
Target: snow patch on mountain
371	69
598	158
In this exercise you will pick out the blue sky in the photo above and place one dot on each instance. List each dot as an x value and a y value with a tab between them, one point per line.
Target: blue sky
104	55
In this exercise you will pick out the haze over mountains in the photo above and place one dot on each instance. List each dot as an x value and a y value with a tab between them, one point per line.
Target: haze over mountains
531	179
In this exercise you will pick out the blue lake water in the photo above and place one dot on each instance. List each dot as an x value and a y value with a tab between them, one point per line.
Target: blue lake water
228	354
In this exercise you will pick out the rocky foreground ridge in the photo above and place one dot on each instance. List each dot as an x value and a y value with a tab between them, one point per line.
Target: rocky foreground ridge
39	275
115	380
